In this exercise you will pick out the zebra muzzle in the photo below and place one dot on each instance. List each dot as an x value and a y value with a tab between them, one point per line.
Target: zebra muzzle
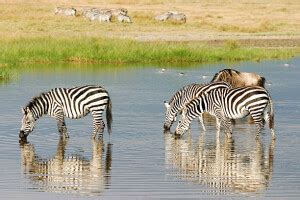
22	135
166	127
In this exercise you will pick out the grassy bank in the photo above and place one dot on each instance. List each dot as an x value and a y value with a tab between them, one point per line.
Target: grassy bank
103	50
6	74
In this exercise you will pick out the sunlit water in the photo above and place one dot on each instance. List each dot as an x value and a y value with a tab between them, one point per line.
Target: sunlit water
138	160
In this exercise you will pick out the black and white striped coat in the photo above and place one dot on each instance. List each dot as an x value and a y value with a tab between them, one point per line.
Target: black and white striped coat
226	104
72	103
184	96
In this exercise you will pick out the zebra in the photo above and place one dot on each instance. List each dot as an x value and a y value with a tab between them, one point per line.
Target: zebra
184	96
105	17
124	18
65	11
239	79
178	17
74	103
163	17
230	103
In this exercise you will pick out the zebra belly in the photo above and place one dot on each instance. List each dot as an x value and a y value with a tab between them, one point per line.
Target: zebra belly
74	115
240	114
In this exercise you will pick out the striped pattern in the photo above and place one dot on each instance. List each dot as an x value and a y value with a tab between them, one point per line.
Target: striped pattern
224	166
228	104
64	173
72	103
184	96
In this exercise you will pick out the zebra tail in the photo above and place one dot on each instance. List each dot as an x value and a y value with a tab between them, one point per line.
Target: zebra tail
109	115
271	119
261	82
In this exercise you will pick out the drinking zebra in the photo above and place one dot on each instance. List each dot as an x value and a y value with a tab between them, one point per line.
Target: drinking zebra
226	104
73	103
184	96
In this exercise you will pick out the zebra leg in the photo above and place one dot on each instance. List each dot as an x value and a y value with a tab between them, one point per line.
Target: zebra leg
228	127
201	121
258	122
98	128
218	127
62	128
98	123
225	122
267	118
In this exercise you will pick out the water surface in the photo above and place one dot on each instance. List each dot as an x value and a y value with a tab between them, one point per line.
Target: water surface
138	160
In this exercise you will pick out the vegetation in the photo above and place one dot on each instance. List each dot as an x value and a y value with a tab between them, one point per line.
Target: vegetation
31	33
5	74
118	51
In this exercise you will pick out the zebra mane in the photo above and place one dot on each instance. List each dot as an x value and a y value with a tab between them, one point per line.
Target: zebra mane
179	92
34	100
215	77
224	71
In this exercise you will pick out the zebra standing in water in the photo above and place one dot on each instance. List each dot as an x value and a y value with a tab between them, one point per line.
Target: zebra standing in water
184	96
73	103
228	104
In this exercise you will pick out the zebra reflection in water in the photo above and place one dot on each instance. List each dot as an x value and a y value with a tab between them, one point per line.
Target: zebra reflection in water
68	174
224	167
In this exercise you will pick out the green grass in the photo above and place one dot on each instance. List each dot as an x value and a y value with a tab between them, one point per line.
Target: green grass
120	51
5	74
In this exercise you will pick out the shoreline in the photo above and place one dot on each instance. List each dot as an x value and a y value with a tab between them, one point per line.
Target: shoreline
215	31
124	51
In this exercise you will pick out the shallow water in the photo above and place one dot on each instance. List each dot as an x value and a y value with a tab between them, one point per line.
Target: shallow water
138	160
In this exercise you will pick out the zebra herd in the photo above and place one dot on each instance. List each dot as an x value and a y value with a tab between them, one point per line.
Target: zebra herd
230	95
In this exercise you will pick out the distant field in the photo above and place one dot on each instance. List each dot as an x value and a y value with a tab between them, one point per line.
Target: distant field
214	31
206	20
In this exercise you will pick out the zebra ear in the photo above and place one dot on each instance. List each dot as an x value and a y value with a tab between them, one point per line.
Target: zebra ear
23	110
27	110
166	105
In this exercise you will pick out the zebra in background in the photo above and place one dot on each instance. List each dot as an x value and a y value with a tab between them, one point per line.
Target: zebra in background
239	79
73	103
226	104
184	96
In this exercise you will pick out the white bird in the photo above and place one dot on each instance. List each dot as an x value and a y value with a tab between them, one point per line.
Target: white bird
162	70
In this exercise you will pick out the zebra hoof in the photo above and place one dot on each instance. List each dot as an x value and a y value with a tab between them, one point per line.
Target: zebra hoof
166	128
177	136
229	135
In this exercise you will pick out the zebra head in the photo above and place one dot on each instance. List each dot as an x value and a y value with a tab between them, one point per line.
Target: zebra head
181	128
168	119
28	123
183	124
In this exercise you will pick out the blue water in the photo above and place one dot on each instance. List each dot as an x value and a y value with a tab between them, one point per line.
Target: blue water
138	160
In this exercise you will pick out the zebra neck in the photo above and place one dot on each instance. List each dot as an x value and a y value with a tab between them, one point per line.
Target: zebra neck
39	106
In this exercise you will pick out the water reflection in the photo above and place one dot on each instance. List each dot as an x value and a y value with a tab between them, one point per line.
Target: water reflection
220	166
68	174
